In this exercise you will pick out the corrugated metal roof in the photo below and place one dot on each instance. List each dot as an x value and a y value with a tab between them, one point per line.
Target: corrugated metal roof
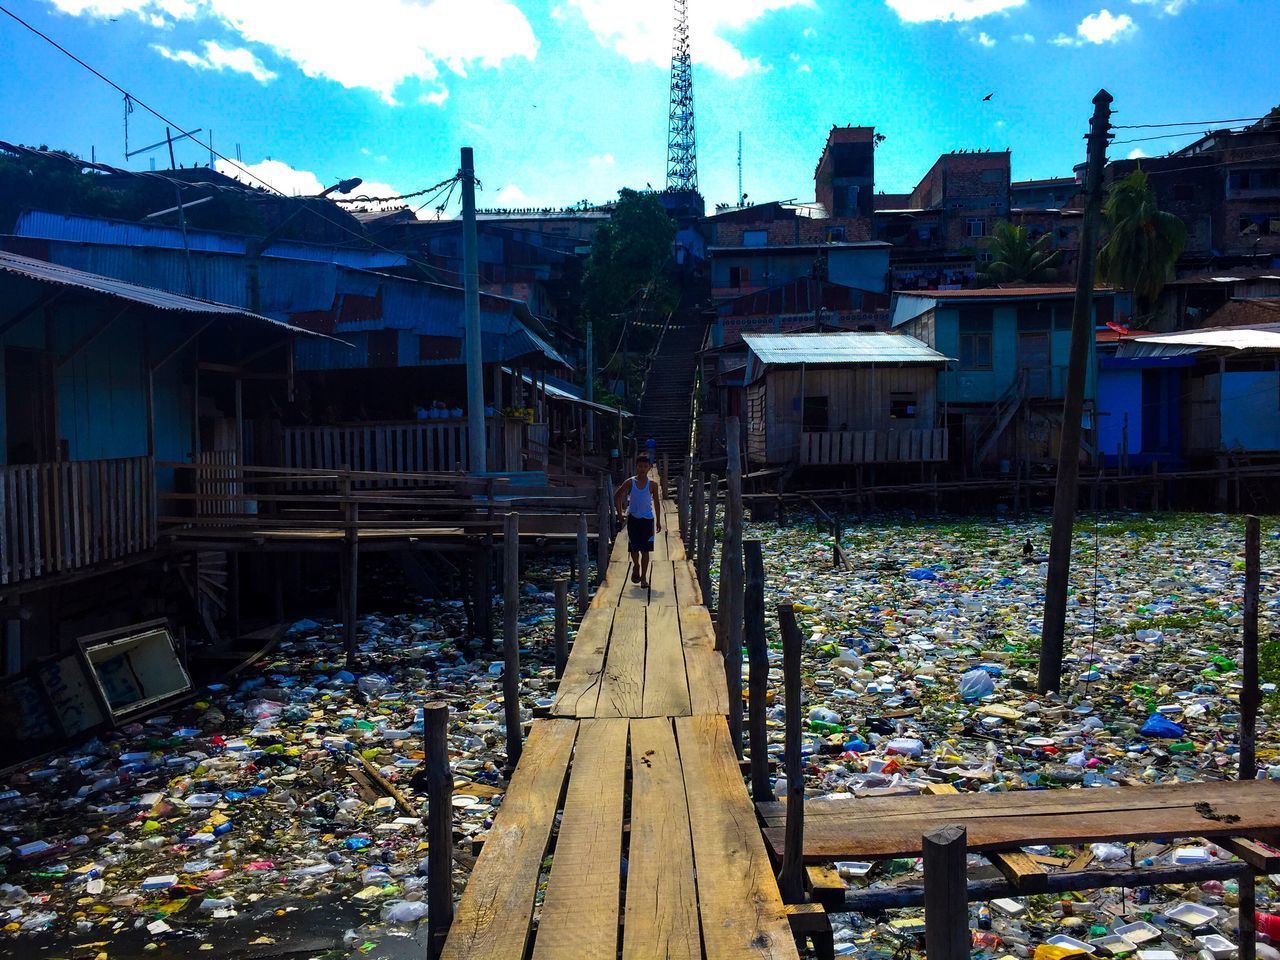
847	347
1264	337
572	394
43	225
43	272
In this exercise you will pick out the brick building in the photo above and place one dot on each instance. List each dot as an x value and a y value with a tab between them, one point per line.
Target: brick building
844	180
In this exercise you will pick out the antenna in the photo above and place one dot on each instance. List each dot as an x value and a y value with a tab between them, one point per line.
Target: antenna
740	193
682	148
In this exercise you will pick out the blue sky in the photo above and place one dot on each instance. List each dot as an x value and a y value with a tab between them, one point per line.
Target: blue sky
566	100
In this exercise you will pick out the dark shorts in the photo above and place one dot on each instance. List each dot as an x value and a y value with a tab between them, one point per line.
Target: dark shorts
640	534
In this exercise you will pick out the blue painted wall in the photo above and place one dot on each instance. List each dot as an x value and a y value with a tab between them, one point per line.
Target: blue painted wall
1250	406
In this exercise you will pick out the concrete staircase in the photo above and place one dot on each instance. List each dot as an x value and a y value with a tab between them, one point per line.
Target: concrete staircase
666	409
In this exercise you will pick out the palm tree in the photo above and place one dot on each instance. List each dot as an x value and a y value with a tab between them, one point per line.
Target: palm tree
1143	242
1017	258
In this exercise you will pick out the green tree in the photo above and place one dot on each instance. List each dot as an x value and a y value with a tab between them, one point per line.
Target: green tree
1017	258
1142	242
628	267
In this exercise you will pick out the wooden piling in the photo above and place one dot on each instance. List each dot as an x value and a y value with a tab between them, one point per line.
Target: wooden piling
946	895
758	678
511	637
350	564
791	876
584	589
1247	928
709	543
435	742
562	625
682	505
693	547
1248	767
604	530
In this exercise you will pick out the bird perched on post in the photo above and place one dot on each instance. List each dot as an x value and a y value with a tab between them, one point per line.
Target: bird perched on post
1027	548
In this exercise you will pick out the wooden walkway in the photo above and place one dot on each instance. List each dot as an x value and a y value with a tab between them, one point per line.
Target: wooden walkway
658	852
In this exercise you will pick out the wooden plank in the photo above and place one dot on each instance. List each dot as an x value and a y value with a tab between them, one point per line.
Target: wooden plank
662	584
579	916
1255	854
616	580
1020	870
666	685
622	684
688	593
661	919
741	910
580	686
492	920
704	666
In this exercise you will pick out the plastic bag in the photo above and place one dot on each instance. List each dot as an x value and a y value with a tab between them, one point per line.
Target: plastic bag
976	684
1160	726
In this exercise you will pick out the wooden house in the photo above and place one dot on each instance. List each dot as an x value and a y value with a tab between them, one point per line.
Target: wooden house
839	399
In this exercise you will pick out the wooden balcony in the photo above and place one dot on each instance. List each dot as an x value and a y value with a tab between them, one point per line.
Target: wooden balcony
57	518
415	446
838	447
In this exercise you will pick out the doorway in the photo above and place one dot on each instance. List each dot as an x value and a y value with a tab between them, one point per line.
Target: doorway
1033	362
28	396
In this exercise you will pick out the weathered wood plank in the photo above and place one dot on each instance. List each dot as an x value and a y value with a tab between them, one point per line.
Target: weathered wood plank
492	920
580	686
704	666
622	684
579	918
741	910
661	919
1020	870
616	579
688	593
662	584
666	684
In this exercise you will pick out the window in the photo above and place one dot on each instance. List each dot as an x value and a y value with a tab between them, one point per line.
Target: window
1254	179
835	234
814	414
1035	316
1260	225
902	405
975	226
739	276
1063	311
755	238
975	339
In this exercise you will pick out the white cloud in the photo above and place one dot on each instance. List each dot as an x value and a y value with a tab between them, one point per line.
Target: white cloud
302	183
810	33
804	68
218	57
640	30
513	196
1171	7
378	47
1137	153
925	11
1025	38
435	98
984	40
1098	28
603	160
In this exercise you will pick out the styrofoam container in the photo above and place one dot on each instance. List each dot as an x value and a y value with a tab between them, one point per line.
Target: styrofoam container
1114	945
852	868
1157	955
1138	932
1191	914
1191	855
1010	907
1217	945
1062	940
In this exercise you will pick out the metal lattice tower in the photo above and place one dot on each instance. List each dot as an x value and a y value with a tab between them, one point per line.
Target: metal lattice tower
682	146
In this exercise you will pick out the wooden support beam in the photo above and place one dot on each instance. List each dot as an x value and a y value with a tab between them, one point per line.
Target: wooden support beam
791	875
435	728
1261	858
707	548
1025	874
946	912
809	921
511	638
584	591
562	625
1248	766
826	886
758	679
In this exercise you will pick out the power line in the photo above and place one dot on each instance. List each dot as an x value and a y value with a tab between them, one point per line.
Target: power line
1183	123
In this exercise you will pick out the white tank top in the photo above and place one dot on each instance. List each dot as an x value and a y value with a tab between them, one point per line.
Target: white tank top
641	502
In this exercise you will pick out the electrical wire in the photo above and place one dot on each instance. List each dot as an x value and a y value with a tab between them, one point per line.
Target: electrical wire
404	196
1184	123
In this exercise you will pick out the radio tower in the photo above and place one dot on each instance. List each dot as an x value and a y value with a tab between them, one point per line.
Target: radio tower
682	147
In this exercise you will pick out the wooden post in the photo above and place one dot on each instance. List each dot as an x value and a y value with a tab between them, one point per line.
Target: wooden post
435	742
350	564
583	590
1247	932
682	506
1248	768
946	894
791	876
693	536
562	625
835	542
709	542
758	680
511	637
604	531
733	562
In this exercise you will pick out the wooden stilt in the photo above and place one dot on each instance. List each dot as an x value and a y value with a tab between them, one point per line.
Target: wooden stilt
435	742
562	625
791	876
511	637
758	679
946	901
1249	636
584	592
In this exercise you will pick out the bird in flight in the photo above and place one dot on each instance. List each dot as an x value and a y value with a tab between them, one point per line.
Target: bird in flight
987	97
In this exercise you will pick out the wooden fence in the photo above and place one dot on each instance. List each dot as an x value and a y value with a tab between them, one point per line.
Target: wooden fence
60	517
873	446
419	446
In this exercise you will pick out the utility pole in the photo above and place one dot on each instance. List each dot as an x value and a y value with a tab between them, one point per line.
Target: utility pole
476	460
1064	494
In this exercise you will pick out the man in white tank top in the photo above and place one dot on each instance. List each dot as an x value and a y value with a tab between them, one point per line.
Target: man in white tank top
644	517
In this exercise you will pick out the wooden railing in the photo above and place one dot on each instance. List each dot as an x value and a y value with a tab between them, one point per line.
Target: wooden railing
418	446
873	446
60	517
